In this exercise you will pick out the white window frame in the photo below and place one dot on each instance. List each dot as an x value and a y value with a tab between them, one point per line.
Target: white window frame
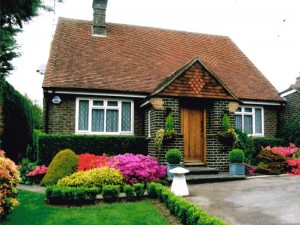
105	107
243	113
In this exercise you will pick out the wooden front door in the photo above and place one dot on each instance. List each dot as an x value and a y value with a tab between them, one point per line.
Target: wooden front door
193	127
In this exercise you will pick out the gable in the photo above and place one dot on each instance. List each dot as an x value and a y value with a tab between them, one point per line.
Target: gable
194	81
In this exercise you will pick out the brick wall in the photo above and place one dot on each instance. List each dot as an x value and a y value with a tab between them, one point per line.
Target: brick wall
216	152
157	121
292	108
271	117
61	117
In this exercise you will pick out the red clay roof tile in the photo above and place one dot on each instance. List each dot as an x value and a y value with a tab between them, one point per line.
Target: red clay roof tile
137	59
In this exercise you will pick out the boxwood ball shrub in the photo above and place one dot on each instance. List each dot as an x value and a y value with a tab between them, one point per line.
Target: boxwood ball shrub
97	177
236	156
63	164
9	177
138	168
173	156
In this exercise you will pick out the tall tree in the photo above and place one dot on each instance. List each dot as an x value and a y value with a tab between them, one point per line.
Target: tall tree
12	15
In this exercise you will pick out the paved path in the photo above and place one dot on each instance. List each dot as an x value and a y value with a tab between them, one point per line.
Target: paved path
34	188
255	201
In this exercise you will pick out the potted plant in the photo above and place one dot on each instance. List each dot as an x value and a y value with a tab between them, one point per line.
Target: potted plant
228	135
173	158
236	162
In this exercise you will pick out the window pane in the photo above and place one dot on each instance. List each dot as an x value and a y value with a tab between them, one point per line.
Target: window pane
98	120
248	124
98	103
238	122
258	121
126	116
239	109
112	103
248	109
112	120
83	115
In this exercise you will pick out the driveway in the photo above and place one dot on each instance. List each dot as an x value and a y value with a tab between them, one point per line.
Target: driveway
255	201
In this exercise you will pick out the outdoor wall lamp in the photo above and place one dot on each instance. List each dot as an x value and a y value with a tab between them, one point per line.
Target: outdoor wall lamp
56	99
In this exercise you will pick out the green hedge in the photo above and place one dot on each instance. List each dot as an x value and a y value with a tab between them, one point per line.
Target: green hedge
18	122
49	145
264	142
187	212
61	195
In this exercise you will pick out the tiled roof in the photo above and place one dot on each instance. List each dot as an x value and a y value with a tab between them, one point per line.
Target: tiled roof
137	59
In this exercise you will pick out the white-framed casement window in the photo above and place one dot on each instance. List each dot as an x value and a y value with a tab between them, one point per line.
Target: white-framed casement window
250	119
104	116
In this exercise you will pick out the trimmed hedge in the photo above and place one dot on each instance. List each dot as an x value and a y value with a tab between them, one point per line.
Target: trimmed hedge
62	195
187	212
18	122
264	142
50	144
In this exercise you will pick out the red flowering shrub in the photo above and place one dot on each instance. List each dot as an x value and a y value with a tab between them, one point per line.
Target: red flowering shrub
138	168
9	177
295	166
90	161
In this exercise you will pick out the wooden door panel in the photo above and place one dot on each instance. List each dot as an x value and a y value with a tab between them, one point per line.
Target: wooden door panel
192	128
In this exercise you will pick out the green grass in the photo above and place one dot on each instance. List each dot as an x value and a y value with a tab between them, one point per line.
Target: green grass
33	210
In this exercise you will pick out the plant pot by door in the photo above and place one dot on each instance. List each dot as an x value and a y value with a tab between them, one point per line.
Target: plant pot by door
236	169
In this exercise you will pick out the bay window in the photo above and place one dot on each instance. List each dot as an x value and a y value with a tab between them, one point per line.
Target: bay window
250	120
102	116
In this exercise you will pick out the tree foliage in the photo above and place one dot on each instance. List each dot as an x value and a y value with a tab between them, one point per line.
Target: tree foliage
37	113
13	14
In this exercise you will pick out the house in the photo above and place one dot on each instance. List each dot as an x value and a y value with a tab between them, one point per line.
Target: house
292	96
116	79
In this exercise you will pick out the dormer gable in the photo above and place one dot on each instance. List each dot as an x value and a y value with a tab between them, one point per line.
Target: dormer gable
194	80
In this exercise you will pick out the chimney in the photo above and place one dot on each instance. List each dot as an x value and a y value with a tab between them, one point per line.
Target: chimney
99	7
297	84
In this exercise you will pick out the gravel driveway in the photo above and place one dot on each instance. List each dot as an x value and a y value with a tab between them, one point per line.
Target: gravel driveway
255	201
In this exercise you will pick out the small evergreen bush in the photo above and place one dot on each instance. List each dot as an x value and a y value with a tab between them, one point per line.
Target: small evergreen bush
110	193
129	192
225	122
63	164
97	177
290	131
173	156
139	190
236	156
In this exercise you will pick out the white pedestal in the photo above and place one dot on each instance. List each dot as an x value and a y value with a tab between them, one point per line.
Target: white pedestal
179	185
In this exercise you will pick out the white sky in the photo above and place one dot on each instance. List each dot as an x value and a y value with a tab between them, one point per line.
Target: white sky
267	31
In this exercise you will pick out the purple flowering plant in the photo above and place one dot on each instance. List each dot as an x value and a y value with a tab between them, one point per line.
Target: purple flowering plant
138	168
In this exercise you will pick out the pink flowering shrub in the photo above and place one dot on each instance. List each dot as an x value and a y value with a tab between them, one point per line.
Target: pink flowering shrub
37	174
138	168
9	177
295	166
250	169
285	151
90	161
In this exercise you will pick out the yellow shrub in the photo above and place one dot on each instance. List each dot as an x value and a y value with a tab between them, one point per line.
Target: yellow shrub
95	177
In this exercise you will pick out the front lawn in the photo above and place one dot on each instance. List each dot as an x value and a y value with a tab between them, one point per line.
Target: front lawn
33	210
